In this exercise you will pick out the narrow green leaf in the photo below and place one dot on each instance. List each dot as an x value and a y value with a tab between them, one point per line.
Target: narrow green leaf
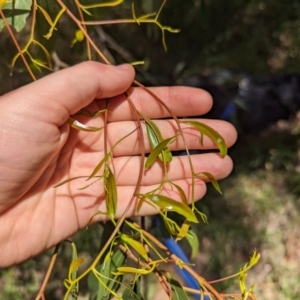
100	165
46	15
68	180
82	127
131	270
178	292
193	241
212	179
75	289
111	193
169	204
211	133
155	137
133	293
137	246
181	193
156	151
109	281
74	266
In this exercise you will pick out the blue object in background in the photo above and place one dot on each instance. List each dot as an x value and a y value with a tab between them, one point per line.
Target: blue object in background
189	280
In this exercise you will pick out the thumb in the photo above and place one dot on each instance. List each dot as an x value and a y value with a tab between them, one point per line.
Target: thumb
57	96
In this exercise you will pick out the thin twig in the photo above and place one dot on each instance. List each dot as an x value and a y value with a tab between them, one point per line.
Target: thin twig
41	293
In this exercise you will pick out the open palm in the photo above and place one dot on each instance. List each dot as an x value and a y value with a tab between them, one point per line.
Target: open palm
38	150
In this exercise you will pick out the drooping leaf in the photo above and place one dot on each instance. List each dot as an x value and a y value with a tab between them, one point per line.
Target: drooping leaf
74	266
16	13
69	179
155	137
212	179
134	293
108	279
79	126
169	204
178	292
181	193
46	15
100	165
111	198
193	241
74	272
137	246
156	151
211	133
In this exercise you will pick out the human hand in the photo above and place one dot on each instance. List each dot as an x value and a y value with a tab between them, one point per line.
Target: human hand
38	150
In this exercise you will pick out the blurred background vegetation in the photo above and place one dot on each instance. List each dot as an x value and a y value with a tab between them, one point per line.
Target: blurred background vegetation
260	204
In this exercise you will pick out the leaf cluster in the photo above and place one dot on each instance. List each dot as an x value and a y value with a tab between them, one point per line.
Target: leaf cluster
127	241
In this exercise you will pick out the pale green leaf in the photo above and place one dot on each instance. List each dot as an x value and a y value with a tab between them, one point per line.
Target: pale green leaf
193	241
181	193
155	137
82	127
106	269
111	193
16	13
137	246
211	133
74	266
212	179
169	204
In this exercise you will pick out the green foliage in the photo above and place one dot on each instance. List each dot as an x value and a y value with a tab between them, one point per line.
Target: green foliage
126	240
16	13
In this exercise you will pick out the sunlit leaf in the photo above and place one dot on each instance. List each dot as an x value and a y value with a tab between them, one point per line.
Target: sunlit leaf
46	15
130	270
16	13
109	281
156	151
137	246
111	193
2	3
212	179
77	125
169	204
52	27
75	265
211	133
75	289
100	165
193	241
155	137
181	193
183	230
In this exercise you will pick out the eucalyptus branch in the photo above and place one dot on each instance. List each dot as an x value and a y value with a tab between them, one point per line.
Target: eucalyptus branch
200	279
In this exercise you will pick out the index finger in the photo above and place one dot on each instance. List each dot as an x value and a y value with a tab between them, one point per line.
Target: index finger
182	101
